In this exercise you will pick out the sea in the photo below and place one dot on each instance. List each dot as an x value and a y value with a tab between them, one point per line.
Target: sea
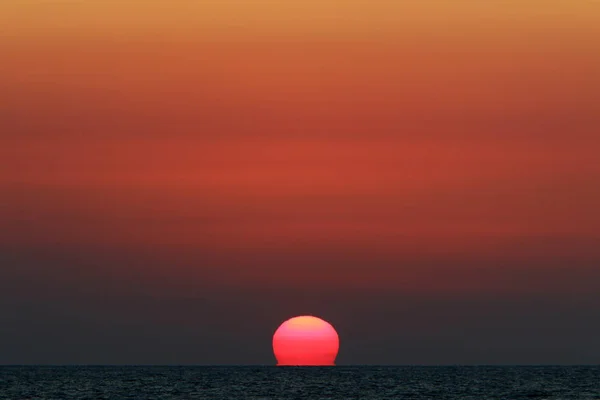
245	382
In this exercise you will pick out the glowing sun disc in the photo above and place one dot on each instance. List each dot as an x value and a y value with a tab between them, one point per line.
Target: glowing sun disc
305	340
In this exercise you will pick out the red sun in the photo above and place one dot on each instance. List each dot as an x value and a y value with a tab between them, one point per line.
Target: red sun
305	340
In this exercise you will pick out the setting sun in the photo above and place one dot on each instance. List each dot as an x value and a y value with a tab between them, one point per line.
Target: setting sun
306	340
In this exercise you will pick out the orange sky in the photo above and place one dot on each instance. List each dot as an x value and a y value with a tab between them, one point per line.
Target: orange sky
397	129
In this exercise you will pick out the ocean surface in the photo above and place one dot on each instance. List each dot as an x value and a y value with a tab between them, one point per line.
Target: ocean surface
361	382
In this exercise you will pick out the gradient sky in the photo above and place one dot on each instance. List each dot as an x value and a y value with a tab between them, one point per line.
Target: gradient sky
179	177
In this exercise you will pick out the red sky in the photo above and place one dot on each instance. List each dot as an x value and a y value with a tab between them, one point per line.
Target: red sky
429	149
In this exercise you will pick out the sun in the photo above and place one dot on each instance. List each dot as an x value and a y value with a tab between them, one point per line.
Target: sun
305	340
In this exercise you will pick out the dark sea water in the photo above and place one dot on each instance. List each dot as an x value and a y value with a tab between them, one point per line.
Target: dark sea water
300	383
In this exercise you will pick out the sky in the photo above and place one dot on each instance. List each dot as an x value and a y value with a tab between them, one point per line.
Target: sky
179	177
